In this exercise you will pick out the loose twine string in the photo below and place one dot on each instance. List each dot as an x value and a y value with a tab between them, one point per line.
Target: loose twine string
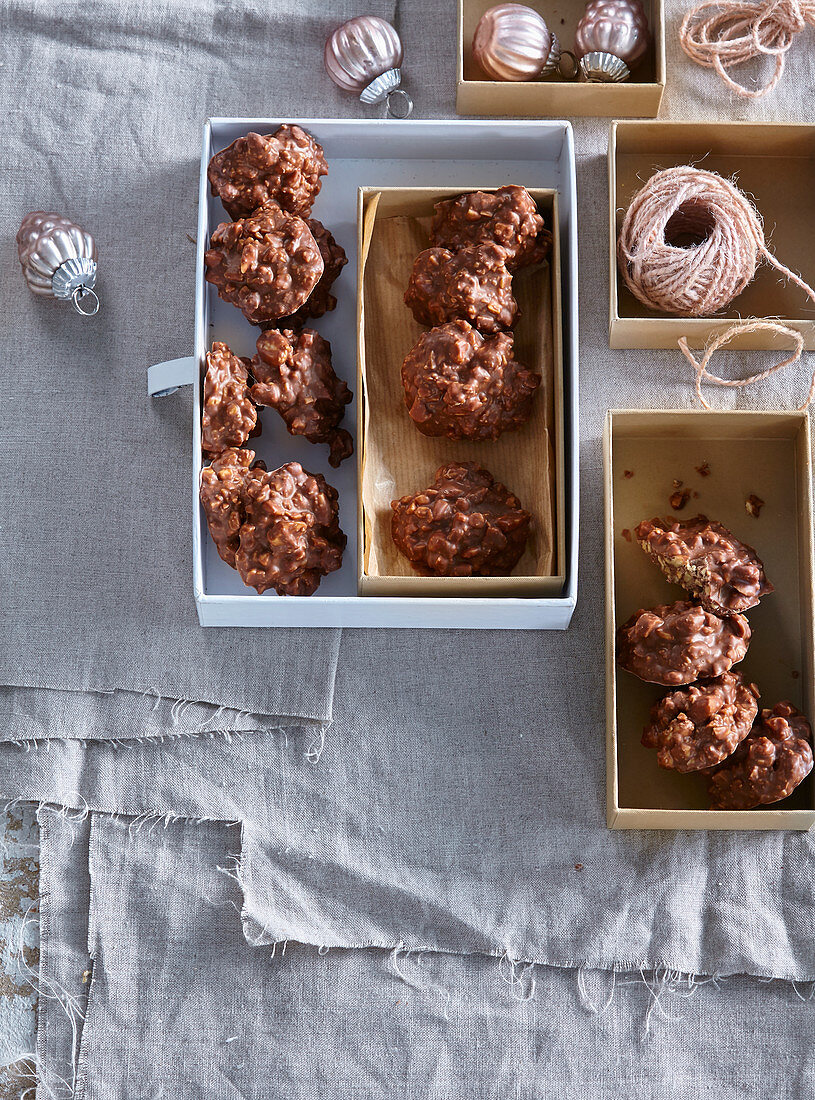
719	34
689	244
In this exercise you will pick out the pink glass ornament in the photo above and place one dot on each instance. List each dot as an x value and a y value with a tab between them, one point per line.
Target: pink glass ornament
617	27
512	42
364	55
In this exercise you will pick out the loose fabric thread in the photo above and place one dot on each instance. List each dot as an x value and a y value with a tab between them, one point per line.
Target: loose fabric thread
719	35
690	243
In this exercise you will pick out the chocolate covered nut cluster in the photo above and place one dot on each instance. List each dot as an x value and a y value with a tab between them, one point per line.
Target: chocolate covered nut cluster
768	765
294	374
680	642
321	300
463	385
221	494
285	167
699	726
507	217
473	284
707	560
266	264
290	538
465	524
229	416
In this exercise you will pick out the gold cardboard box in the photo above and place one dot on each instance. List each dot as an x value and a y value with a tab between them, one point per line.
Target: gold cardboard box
394	458
638	97
765	453
773	163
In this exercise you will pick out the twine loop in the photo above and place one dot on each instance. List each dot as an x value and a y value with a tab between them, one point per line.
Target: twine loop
719	34
742	327
690	243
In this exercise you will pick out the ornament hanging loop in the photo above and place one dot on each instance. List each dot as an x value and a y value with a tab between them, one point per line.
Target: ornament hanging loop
85	301
399	103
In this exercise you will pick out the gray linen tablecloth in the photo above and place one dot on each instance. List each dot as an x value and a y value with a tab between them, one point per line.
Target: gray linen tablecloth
439	760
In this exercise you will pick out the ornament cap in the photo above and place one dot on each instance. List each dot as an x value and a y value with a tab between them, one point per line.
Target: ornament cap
603	68
381	86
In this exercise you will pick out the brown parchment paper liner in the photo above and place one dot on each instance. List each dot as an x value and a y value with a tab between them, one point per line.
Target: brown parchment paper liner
395	458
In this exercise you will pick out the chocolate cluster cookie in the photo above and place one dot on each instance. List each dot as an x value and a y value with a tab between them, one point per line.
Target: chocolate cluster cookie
294	374
681	642
507	217
705	558
465	524
768	765
472	284
267	264
463	385
321	300
290	537
699	726
221	494
285	167
229	415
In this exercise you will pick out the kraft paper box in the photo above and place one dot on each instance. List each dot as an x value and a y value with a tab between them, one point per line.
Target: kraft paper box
774	164
395	458
761	453
638	97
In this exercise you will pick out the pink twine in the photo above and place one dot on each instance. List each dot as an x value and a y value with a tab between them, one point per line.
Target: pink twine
719	34
690	242
700	366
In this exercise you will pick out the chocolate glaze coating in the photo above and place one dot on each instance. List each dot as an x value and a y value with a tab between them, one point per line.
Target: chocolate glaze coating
465	386
723	573
699	726
768	765
267	264
284	167
680	642
465	524
221	495
473	284
294	374
508	217
291	537
321	300
229	417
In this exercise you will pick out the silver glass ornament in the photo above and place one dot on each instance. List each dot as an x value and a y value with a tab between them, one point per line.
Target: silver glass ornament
58	260
618	27
602	68
364	56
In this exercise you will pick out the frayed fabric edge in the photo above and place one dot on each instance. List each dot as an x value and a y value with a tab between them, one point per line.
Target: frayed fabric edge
313	751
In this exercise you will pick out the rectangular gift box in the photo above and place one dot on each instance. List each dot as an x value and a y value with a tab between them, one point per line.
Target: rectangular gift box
394	458
638	97
761	453
379	155
774	164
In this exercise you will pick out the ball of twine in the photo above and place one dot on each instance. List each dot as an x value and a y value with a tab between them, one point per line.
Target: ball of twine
690	243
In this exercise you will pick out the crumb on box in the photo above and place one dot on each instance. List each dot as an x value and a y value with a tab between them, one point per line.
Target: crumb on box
679	498
753	505
703	470
626	534
578	866
677	483
628	473
795	674
695	495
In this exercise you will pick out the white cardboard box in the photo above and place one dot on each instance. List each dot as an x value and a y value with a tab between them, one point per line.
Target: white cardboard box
383	153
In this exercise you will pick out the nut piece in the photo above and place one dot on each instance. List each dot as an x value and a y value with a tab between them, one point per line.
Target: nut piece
321	300
768	765
285	167
465	386
293	374
753	505
221	496
291	536
699	726
267	264
723	573
507	217
680	642
229	417
472	284
466	524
